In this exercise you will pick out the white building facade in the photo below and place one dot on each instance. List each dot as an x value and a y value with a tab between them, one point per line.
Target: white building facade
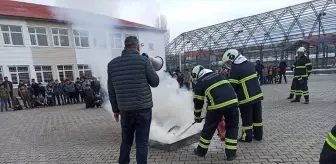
45	51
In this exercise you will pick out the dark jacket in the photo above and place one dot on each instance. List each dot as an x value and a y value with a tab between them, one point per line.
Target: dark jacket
8	85
220	97
244	80
283	66
259	68
129	79
303	67
328	153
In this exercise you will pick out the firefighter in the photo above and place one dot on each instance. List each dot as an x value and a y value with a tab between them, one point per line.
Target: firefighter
221	100
243	77
303	69
328	154
293	90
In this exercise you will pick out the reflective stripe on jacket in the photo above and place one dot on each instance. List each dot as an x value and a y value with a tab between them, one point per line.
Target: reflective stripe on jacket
243	78
218	91
303	67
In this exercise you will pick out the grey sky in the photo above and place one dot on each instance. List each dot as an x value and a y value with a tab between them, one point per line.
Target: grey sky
182	15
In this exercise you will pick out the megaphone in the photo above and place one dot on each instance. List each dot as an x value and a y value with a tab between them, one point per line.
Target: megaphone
157	62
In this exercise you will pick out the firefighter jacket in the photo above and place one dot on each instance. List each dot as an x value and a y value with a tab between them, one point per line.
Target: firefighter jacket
217	90
293	66
243	78
303	67
328	154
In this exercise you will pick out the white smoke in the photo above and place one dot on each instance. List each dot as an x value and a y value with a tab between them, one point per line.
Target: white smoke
172	106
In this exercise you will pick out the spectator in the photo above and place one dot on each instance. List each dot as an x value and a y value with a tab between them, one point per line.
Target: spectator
58	89
35	86
259	68
282	72
129	79
270	74
9	86
4	96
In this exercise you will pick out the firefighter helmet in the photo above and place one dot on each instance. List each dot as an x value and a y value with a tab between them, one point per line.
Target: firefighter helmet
301	49
230	55
199	71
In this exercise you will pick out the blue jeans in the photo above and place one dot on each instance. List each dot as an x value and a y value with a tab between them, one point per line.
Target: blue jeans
138	122
3	104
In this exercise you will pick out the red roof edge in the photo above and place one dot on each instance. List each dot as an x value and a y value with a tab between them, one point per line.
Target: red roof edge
26	10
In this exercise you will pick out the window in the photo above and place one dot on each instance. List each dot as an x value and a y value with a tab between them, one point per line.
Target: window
84	70
65	72
81	38
60	37
43	74
38	36
151	46
99	40
19	73
12	35
116	40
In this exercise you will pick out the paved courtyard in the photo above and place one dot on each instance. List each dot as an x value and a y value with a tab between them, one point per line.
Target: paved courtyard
294	133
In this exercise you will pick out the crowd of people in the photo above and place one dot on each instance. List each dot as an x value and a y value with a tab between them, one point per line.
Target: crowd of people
35	95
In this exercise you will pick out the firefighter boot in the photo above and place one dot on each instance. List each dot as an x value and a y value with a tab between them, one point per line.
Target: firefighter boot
198	153
306	101
297	99
291	96
230	156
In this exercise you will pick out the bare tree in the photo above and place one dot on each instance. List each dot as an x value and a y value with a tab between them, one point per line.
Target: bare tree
161	22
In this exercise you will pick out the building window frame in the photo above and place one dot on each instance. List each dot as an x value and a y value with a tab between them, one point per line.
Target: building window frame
35	34
62	72
17	73
59	35
99	39
80	34
151	47
9	35
84	69
116	39
42	73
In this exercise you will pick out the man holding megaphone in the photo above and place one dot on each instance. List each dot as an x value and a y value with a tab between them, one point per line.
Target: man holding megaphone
130	77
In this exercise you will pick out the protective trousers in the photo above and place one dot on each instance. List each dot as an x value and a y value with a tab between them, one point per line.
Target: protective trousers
251	115
302	88
293	88
213	117
328	154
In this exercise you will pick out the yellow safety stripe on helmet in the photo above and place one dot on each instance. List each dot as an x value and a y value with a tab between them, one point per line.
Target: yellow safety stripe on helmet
230	147
247	128
300	67
308	64
205	140
207	91
203	146
198	97
197	110
331	141
230	141
224	104
234	81
258	124
251	98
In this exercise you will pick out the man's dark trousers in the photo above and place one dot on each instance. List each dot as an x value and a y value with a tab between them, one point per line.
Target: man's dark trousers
138	122
282	73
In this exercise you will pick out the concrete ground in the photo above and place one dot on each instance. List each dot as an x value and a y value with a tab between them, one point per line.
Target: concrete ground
294	133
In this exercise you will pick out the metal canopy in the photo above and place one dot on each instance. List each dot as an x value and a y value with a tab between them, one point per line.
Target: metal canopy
275	29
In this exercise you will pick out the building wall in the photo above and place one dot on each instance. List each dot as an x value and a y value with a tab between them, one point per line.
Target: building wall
96	57
51	55
15	55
